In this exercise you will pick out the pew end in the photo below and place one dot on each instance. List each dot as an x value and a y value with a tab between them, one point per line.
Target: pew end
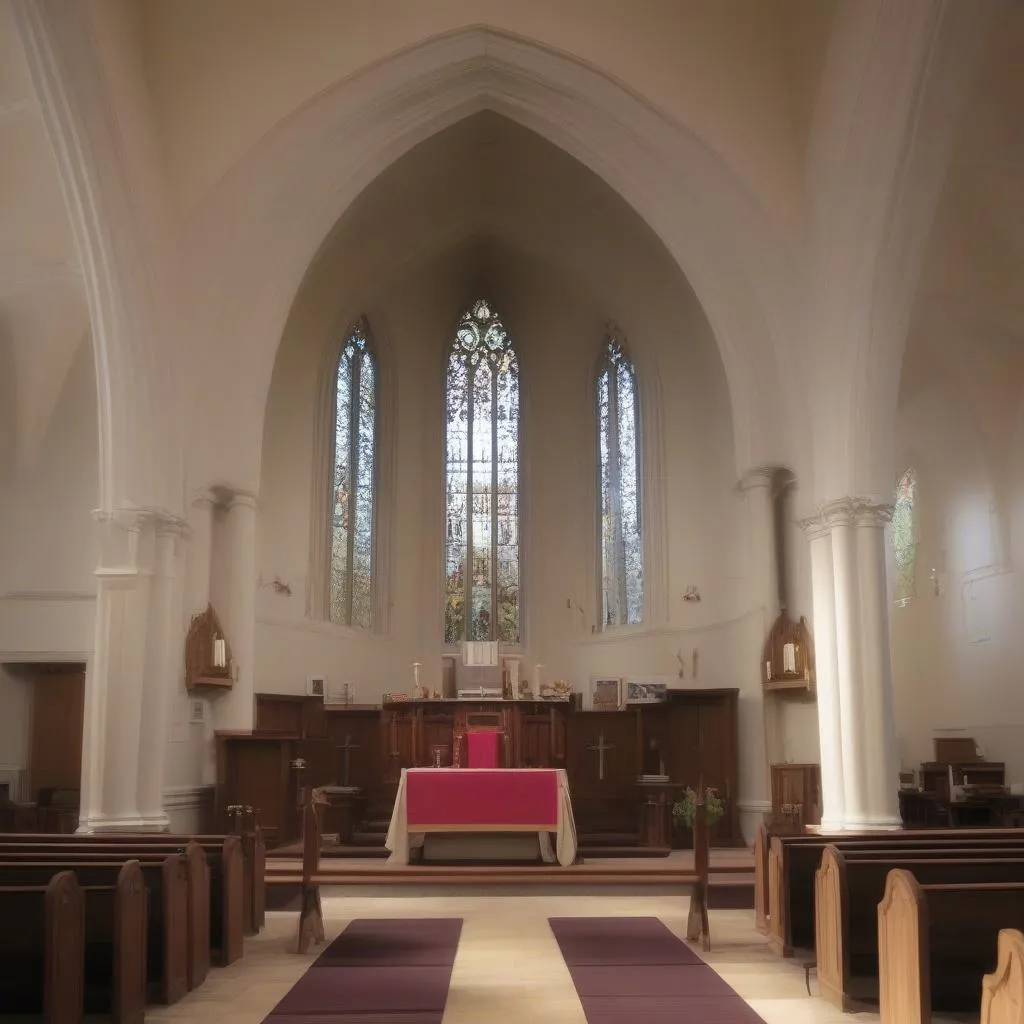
904	981
761	878
1002	991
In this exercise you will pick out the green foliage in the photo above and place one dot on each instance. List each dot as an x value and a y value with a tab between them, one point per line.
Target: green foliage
685	808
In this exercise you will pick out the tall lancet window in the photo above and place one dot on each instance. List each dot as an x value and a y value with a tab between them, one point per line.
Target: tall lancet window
355	441
904	538
482	481
618	417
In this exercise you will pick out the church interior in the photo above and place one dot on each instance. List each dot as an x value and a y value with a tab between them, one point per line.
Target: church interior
511	507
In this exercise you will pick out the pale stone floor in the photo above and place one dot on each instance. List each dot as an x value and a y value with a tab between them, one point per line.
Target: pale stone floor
508	967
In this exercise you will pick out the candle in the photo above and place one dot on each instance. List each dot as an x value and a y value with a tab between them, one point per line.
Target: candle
513	677
767	670
789	658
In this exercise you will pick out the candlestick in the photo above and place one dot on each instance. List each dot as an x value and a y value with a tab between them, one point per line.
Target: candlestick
536	679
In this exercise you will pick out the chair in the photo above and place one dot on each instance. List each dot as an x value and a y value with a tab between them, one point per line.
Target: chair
482	741
482	748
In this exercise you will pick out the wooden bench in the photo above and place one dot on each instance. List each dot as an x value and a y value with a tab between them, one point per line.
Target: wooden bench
167	933
221	863
1002	991
115	947
848	888
42	949
793	861
936	943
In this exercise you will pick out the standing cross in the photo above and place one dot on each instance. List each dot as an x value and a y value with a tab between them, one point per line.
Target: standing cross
346	748
600	746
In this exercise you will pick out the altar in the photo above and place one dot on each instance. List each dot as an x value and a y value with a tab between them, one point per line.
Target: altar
475	802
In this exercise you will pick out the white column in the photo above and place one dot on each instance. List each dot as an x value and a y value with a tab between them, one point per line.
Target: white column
833	800
159	679
855	710
882	761
757	486
761	725
200	551
848	660
235	710
114	683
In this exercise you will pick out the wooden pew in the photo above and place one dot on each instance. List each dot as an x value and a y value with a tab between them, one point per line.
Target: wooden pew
115	947
254	860
936	942
793	861
221	863
167	946
1002	991
848	889
761	845
42	949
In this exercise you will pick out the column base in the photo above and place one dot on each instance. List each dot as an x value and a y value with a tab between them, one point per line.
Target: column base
99	823
886	824
156	823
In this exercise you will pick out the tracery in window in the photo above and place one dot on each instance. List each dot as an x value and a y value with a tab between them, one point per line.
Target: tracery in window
355	441
904	538
618	417
482	570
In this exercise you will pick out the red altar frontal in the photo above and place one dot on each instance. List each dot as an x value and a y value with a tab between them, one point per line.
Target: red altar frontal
489	800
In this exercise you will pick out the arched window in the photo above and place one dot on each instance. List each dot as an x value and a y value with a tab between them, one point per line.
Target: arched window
482	481
618	418
352	500
904	538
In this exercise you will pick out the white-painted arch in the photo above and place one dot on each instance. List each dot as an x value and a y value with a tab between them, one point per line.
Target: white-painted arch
252	239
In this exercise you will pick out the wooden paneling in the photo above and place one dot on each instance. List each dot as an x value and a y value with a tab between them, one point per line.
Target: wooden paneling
694	733
796	794
55	746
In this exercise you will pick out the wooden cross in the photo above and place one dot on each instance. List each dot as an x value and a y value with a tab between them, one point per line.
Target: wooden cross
346	748
600	746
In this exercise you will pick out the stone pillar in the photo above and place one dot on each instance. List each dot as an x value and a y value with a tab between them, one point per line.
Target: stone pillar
860	783
758	488
830	736
200	550
160	677
877	715
762	727
235	710
114	682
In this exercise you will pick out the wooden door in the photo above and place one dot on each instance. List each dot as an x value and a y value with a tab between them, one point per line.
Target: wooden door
55	744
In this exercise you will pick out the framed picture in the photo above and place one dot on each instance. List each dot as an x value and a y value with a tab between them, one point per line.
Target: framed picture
606	693
642	691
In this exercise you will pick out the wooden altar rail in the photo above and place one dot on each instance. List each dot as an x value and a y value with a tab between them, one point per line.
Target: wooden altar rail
848	890
1002	991
935	942
312	876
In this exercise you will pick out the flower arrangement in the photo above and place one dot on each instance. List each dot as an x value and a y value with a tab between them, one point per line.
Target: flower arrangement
685	808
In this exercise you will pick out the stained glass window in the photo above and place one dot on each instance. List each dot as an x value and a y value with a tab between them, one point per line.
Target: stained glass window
482	481
355	438
904	538
618	413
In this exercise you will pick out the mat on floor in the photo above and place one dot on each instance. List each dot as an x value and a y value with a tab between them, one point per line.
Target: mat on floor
377	971
633	970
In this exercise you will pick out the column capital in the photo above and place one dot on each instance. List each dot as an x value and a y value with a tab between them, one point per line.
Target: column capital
244	498
846	512
203	498
758	476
